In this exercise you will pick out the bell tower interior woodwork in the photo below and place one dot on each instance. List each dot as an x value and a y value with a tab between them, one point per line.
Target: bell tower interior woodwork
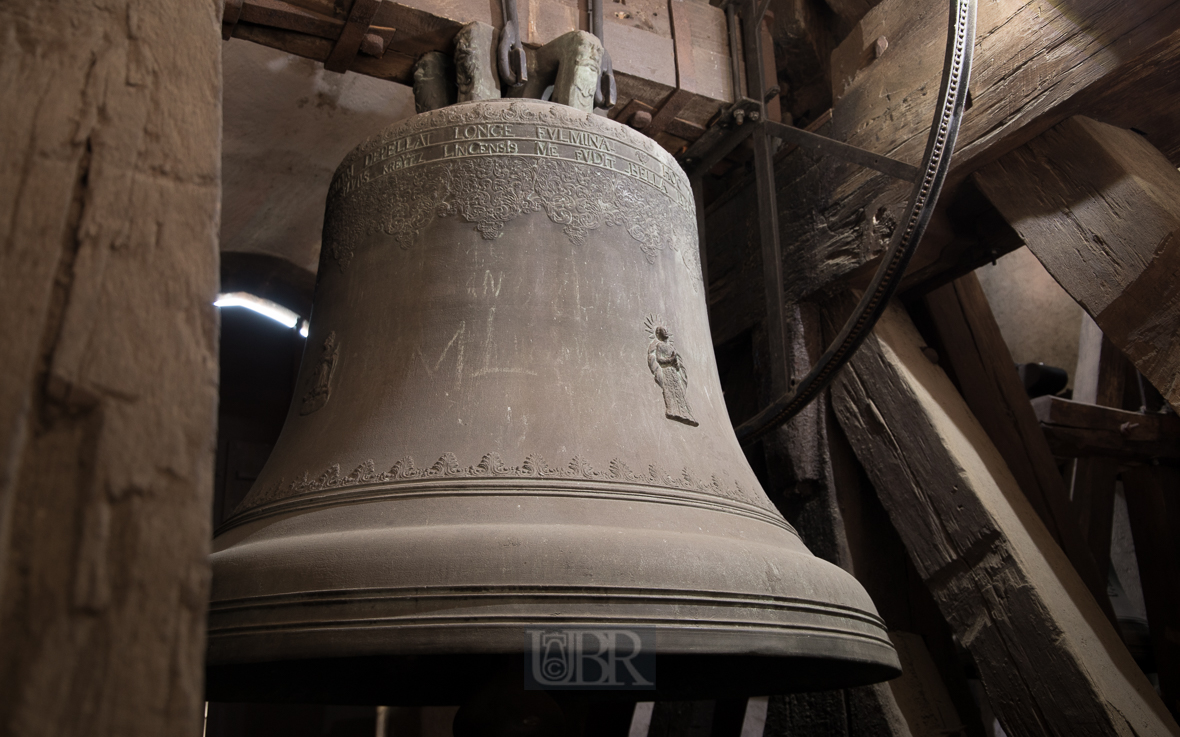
491	390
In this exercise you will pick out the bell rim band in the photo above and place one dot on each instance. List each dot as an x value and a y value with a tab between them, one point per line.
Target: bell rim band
362	493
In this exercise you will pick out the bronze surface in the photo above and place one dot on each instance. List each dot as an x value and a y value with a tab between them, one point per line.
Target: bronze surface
509	416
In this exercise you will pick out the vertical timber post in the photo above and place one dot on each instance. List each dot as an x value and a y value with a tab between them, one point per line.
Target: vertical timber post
110	156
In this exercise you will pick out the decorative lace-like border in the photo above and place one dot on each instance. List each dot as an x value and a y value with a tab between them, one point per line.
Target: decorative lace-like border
491	465
491	190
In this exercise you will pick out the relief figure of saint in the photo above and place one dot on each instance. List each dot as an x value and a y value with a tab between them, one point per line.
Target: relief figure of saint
667	367
320	385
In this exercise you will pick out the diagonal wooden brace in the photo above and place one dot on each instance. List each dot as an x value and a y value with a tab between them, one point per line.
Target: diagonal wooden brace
360	17
229	18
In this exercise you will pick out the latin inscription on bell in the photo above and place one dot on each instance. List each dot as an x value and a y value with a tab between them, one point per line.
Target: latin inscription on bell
448	141
575	167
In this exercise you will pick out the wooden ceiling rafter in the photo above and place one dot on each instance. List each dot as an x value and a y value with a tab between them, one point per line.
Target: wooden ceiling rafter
678	70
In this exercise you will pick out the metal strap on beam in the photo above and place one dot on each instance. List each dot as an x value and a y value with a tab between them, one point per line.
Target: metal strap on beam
884	164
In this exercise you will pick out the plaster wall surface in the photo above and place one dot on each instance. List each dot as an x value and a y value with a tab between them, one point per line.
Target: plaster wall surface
288	123
1039	321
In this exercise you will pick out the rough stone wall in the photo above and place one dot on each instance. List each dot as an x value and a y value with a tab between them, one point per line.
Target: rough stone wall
109	196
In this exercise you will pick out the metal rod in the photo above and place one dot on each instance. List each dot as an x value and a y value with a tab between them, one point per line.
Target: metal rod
800	137
935	164
772	261
760	12
735	61
596	26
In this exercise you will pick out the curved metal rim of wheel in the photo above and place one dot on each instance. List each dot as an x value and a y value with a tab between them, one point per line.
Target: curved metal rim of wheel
936	163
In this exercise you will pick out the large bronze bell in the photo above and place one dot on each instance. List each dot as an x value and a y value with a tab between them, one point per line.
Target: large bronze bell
509	417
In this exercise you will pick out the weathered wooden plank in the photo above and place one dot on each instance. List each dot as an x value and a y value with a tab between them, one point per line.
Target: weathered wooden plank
1154	511
110	163
880	562
1036	63
1092	491
850	11
975	351
1048	659
1099	378
639	40
1100	208
804	39
921	695
1078	430
393	65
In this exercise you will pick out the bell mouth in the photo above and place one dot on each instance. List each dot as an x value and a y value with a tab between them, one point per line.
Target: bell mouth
400	601
449	680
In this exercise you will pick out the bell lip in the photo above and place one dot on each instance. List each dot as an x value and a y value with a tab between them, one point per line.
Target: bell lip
448	680
698	638
696	662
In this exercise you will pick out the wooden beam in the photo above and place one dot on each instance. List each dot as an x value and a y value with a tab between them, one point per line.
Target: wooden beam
1100	374
1099	378
640	42
110	188
974	350
1100	207
880	562
849	12
1036	63
1050	662
804	37
1154	511
921	695
802	483
1078	430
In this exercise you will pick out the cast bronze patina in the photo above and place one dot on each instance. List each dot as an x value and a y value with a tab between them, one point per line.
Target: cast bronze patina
509	417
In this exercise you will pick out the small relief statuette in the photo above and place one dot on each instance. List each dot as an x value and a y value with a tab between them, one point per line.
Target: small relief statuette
667	367
321	378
